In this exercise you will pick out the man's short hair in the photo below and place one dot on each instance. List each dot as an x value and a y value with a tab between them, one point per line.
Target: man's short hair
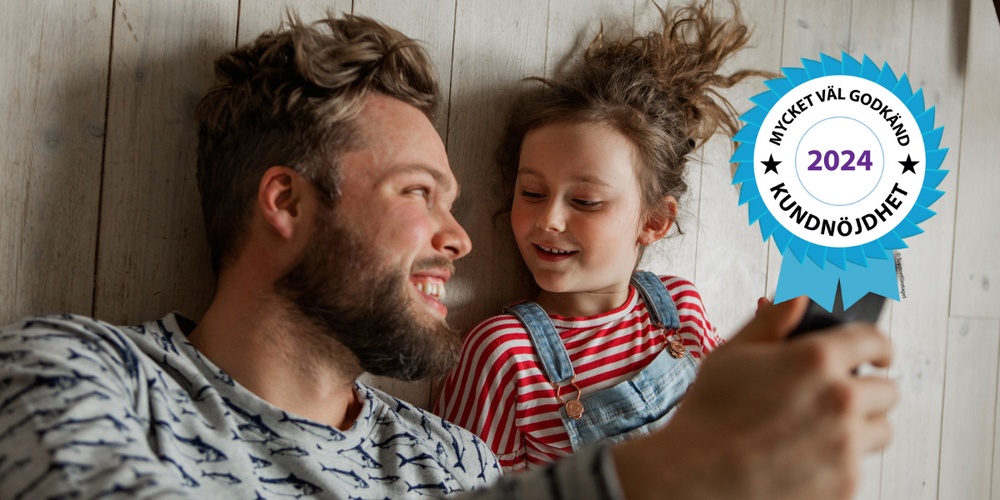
291	98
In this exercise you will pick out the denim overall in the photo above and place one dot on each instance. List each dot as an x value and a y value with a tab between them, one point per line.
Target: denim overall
633	407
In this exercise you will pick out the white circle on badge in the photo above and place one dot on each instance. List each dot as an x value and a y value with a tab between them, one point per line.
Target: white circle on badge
839	161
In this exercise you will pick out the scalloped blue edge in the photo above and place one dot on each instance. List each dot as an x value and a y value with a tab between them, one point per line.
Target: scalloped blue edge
750	194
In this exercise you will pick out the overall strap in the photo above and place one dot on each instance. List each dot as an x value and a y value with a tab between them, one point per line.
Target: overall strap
551	352
662	310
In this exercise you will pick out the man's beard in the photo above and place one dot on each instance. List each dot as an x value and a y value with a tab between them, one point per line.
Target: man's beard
341	287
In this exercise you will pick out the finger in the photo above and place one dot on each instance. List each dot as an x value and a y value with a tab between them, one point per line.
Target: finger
853	344
876	435
875	396
774	322
762	304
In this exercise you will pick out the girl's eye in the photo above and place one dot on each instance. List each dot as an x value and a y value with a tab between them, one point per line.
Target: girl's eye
587	203
531	195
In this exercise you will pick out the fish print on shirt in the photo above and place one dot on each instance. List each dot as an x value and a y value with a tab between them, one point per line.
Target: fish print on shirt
321	431
136	411
290	486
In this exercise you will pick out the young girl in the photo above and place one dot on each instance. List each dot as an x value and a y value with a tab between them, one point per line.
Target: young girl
593	163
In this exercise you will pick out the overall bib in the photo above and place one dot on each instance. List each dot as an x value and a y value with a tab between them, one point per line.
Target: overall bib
630	408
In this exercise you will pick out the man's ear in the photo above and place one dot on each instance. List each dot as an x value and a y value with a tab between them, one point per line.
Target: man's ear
281	199
659	222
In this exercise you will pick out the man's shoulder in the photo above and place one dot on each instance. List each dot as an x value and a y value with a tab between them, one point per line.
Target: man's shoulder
64	331
84	326
70	339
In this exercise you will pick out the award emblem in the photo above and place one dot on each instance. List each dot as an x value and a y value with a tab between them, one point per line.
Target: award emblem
838	162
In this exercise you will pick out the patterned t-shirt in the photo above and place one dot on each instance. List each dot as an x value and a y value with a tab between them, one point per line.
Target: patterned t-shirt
92	410
500	392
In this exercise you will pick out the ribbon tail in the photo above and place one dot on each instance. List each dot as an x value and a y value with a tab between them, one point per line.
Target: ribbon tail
806	278
820	284
879	277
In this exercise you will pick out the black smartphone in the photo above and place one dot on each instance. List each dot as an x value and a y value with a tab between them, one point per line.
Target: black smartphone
816	318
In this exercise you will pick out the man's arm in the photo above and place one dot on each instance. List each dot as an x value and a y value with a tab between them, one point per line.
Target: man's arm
767	418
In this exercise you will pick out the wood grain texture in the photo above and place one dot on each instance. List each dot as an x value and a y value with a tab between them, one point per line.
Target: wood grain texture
813	27
152	254
882	30
976	272
920	319
258	16
573	24
433	24
52	101
970	395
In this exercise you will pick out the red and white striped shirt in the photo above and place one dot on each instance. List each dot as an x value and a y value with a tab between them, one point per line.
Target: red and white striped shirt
500	392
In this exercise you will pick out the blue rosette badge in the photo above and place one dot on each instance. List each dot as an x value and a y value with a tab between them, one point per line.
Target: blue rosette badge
838	163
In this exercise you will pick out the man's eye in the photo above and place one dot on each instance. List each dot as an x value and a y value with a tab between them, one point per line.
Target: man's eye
420	191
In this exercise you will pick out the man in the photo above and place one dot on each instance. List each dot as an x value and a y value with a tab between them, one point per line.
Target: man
327	193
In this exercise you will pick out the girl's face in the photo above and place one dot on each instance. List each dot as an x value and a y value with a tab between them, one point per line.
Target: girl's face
576	213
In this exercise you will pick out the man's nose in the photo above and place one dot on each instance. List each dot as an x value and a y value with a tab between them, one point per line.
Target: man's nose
452	239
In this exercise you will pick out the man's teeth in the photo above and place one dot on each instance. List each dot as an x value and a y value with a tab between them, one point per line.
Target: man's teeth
554	250
435	290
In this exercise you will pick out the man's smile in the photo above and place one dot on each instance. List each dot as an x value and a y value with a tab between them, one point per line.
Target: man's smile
432	290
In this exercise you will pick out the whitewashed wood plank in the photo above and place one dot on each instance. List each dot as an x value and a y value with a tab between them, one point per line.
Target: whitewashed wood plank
919	319
970	395
813	27
496	45
976	273
995	480
573	24
433	24
152	252
646	14
732	258
52	99
258	16
882	31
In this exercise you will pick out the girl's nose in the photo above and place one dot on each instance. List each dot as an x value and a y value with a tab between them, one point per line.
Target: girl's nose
551	218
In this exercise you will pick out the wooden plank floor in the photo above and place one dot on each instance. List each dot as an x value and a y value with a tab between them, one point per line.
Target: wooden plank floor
99	213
